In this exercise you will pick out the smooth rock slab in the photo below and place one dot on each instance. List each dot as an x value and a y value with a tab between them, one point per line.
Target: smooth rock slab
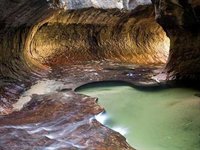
58	121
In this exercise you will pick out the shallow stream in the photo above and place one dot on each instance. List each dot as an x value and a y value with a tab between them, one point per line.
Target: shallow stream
165	119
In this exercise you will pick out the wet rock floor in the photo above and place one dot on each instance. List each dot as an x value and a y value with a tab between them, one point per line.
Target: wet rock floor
59	118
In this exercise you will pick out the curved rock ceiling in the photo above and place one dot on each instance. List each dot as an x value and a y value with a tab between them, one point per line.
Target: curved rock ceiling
28	29
91	35
39	34
36	35
83	34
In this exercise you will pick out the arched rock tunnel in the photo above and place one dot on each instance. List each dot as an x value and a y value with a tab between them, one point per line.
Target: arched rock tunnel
96	34
39	35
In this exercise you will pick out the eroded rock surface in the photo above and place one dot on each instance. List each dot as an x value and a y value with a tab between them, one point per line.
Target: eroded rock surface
89	34
181	21
55	117
38	36
58	121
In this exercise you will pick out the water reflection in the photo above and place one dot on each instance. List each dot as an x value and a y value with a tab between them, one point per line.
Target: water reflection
168	119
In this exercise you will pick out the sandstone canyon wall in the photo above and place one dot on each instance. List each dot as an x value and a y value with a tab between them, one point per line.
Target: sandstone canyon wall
38	34
181	21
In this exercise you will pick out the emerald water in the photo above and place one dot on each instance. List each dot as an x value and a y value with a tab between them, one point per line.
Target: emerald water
166	119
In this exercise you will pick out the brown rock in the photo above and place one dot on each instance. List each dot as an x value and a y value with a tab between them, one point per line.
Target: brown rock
59	121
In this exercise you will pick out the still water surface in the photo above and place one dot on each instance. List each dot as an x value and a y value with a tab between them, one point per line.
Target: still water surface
166	119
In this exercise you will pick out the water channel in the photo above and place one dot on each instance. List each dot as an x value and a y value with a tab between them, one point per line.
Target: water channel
165	119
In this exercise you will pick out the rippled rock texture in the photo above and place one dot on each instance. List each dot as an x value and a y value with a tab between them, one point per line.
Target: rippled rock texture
57	118
58	121
38	34
37	37
181	21
96	34
48	33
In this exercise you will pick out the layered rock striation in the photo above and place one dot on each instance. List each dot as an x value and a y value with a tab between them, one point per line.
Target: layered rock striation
39	34
181	21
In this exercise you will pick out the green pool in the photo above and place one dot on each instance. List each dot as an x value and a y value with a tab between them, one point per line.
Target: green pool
167	119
